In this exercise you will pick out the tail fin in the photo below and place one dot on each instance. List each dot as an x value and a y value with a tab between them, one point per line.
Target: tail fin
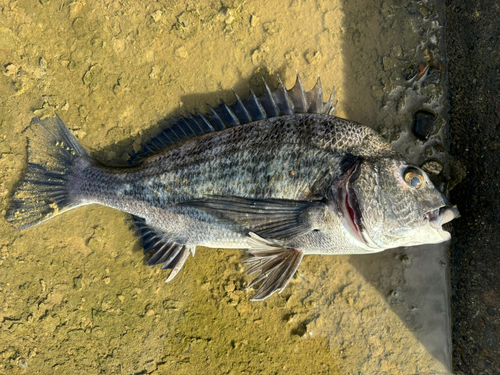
43	193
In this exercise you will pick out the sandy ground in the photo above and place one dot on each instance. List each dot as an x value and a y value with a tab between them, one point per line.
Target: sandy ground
75	296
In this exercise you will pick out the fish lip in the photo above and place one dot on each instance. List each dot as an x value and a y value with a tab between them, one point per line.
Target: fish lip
442	215
347	203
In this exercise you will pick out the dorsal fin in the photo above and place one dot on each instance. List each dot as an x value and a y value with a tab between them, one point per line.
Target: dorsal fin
268	105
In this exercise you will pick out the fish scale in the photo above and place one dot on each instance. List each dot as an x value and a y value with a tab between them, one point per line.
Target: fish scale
257	170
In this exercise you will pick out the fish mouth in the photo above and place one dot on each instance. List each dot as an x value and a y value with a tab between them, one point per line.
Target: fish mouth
347	203
440	216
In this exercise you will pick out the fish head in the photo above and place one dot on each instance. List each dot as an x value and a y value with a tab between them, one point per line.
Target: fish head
388	203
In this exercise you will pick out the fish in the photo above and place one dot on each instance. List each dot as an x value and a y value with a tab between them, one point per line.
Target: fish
278	175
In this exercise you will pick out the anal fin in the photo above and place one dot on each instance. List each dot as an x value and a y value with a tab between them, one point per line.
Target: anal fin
170	254
276	264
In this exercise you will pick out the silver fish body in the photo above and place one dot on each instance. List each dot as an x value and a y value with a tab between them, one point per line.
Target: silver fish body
282	186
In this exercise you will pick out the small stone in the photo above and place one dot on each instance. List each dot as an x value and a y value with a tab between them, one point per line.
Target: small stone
156	16
187	25
93	76
229	287
125	156
72	65
80	134
271	28
46	111
254	20
227	15
155	70
493	145
42	63
137	145
433	76
22	363
10	70
257	57
312	57
433	167
424	124
489	338
292	55
181	52
79	27
405	259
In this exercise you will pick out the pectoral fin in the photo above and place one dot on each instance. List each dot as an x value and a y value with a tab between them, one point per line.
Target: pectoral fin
269	218
275	263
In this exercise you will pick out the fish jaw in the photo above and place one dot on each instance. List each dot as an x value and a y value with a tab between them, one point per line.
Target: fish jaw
431	232
437	218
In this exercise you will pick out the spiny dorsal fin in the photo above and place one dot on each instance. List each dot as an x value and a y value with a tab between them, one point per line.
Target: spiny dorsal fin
283	100
268	105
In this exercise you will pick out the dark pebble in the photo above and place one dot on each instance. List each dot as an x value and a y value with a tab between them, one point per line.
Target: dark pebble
433	76
424	124
489	338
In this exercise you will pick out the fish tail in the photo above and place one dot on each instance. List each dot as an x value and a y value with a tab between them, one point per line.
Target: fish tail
44	191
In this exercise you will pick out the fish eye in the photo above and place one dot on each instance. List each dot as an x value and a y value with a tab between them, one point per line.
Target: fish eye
414	178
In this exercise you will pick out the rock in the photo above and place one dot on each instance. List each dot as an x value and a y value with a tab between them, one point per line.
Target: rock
156	16
313	57
424	124
432	167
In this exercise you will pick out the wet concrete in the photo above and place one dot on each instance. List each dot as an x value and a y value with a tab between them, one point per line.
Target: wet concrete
473	48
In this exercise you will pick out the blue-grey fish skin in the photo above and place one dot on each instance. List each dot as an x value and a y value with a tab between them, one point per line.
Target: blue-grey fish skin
293	157
281	187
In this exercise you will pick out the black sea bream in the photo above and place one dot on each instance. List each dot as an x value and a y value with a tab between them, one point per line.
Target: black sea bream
278	175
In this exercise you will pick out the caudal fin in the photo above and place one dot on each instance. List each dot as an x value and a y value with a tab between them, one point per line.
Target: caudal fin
43	192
